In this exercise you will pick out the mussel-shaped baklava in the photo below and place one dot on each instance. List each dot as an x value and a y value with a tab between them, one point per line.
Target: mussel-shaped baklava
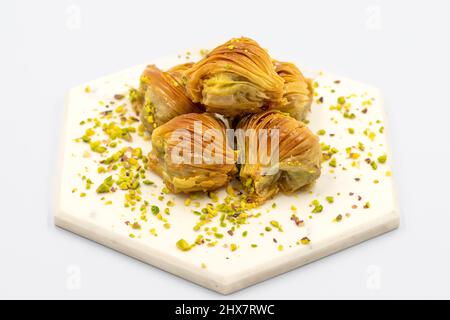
191	153
161	96
237	77
298	91
277	153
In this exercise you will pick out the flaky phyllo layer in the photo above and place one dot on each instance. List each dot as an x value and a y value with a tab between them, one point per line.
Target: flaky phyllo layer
298	91
161	96
190	153
295	161
236	87
235	78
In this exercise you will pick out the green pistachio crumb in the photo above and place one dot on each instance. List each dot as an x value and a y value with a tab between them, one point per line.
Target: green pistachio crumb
341	100
97	147
305	240
170	203
329	199
361	146
105	187
333	163
317	206
382	159
276	224
183	245
136	226
155	210
165	190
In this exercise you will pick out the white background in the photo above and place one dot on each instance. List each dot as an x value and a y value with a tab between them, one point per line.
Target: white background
47	47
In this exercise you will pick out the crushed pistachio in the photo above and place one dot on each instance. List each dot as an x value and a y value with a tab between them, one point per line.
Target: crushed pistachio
154	209
170	203
297	220
382	159
374	165
97	147
305	240
317	206
165	190
183	245
276	224
361	146
136	226
106	186
332	163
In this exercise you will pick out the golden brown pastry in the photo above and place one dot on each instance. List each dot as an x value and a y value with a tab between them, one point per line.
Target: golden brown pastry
189	164
294	160
236	78
161	96
298	91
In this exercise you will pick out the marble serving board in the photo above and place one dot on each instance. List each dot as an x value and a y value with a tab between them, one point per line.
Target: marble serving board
362	193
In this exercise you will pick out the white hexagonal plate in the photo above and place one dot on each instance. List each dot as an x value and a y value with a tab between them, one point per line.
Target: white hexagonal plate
218	268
